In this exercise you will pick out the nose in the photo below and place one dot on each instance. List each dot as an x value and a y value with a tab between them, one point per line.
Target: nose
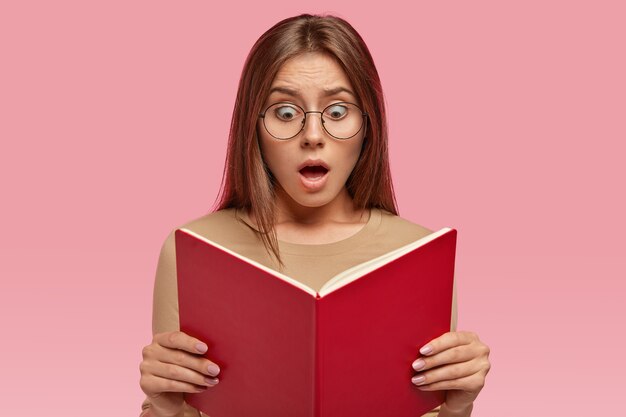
314	133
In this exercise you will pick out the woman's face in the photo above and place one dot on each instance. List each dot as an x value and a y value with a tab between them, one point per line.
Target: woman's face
305	80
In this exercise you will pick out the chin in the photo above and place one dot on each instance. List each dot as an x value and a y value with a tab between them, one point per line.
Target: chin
312	200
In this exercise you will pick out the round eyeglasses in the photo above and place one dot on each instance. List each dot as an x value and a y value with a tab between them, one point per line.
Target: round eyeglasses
340	120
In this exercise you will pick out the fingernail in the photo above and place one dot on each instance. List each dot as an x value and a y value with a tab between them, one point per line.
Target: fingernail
213	369
202	347
426	350
418	379
212	381
418	364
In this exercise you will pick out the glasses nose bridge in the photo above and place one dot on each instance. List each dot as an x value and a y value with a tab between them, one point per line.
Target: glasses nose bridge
306	115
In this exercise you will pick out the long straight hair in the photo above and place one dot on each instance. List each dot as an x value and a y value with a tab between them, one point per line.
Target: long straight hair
246	181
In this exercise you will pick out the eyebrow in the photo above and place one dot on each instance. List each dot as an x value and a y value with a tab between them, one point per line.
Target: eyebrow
296	93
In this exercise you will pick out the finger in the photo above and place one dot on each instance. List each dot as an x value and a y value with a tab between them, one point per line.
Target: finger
447	341
187	360
453	355
470	383
158	384
181	340
447	373
179	373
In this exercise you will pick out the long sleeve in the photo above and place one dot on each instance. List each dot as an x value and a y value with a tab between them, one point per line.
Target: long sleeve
453	321
165	306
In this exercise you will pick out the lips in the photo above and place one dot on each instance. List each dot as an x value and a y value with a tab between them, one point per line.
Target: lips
313	174
313	167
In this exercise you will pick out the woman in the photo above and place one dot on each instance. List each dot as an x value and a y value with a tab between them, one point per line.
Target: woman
308	192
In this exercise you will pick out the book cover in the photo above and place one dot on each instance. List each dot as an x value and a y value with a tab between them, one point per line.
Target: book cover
287	350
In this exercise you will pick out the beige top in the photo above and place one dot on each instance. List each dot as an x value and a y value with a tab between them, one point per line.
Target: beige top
313	265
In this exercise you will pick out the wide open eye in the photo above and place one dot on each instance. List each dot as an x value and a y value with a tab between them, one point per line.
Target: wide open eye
286	112
337	111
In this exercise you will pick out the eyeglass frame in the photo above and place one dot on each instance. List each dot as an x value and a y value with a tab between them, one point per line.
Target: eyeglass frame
363	114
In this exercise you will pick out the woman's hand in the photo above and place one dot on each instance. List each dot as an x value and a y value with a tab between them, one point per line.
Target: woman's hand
173	364
458	362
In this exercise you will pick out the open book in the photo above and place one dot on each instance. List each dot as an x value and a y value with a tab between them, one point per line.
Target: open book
287	350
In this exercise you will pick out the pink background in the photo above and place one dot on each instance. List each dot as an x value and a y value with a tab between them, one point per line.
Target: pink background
507	122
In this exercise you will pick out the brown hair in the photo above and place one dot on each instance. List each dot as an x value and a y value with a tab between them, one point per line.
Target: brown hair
246	181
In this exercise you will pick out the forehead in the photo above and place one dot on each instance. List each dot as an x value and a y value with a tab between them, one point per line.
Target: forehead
312	70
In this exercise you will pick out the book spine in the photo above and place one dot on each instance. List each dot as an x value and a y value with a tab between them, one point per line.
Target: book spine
317	412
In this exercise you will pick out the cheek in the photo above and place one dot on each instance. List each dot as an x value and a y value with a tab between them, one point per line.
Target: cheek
272	158
353	153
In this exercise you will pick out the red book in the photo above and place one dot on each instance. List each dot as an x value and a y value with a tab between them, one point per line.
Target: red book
287	350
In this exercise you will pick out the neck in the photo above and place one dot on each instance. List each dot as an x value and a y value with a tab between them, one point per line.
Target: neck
341	210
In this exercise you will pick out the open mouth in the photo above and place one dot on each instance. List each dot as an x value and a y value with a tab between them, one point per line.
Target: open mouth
313	172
